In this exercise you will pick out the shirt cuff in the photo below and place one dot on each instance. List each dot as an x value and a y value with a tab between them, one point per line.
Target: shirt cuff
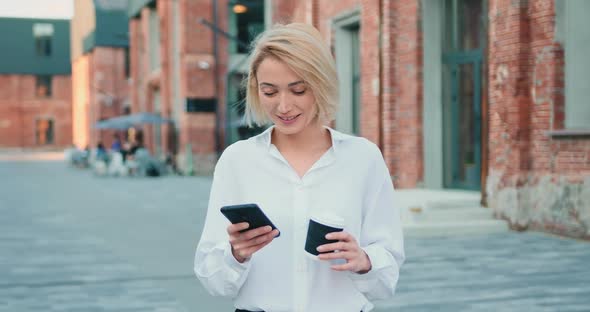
380	259
231	261
374	262
380	282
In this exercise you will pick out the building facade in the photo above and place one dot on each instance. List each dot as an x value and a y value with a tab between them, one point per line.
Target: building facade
35	86
479	95
188	58
100	68
482	95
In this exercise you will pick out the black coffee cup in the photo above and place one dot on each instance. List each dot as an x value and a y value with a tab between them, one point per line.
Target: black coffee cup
316	236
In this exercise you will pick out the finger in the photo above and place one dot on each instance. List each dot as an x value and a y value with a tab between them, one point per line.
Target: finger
256	240
336	255
235	228
240	253
334	246
255	232
341	236
251	250
238	238
343	267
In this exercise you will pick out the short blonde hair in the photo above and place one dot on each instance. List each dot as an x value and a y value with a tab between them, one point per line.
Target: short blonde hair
301	47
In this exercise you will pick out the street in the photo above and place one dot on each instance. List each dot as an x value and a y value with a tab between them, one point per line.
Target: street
71	241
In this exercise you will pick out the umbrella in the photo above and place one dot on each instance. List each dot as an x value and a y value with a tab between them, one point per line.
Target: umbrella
128	121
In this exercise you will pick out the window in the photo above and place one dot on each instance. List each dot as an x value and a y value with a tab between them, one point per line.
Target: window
194	105
154	40
43	34
347	48
246	22
44	131
573	31
43	86
127	63
356	79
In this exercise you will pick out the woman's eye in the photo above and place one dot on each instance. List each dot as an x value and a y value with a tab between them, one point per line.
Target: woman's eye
269	93
299	92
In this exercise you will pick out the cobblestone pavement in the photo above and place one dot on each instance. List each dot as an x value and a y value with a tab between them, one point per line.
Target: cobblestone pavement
70	241
500	272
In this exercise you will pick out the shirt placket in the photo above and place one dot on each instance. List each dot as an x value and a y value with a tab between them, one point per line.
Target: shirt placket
300	278
300	213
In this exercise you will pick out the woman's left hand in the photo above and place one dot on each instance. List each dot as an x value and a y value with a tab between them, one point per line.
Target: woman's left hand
347	248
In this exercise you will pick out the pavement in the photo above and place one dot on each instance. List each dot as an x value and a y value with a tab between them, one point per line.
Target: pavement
70	241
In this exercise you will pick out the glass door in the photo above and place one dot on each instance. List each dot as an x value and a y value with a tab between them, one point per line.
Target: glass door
464	43
464	121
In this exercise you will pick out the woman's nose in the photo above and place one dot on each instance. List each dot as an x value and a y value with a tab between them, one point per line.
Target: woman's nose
284	104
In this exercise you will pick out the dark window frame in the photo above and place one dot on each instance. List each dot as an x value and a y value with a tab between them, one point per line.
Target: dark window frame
49	132
200	105
43	45
47	82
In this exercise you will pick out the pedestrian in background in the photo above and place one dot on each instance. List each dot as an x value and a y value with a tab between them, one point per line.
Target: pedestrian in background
298	170
116	145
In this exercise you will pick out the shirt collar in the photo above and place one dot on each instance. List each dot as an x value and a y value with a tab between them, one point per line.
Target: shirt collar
265	137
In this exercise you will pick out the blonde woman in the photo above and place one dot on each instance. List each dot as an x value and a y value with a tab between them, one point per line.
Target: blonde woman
297	170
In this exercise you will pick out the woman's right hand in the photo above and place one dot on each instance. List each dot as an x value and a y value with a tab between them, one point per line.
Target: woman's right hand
244	245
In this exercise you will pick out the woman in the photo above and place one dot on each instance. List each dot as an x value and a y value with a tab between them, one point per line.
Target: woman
296	169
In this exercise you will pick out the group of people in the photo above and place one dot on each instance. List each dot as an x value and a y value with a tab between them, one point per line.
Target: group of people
124	158
126	149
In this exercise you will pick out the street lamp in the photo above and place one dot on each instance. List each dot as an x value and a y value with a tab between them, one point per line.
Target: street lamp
240	8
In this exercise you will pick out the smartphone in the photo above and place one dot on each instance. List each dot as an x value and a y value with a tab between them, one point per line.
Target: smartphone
250	213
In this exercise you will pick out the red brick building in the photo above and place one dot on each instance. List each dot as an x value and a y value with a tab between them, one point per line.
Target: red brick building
483	95
100	68
35	88
181	63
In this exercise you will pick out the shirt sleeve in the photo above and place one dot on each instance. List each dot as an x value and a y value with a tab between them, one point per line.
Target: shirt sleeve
381	238
215	266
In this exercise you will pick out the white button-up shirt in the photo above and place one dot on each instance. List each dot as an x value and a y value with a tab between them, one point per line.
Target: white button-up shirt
350	182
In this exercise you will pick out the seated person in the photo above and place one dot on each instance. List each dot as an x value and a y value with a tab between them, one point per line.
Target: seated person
101	153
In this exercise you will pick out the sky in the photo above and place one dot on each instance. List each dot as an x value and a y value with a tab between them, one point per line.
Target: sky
60	9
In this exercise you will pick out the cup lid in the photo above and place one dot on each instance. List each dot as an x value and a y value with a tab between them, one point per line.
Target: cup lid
329	219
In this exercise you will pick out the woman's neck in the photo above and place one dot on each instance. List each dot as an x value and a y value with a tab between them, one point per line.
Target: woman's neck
312	138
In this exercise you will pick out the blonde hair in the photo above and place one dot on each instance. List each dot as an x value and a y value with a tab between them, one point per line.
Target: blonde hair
301	47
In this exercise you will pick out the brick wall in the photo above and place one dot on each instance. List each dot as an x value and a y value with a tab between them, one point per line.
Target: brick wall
20	107
81	101
391	77
110	87
402	91
535	180
195	80
282	11
100	92
371	71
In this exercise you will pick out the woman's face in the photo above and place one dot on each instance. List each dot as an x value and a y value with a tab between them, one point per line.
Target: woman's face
286	98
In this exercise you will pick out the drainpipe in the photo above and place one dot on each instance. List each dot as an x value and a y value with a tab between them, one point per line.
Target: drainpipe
22	111
218	31
380	92
216	84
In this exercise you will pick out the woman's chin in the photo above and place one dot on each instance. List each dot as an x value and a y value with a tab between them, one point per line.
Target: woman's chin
287	130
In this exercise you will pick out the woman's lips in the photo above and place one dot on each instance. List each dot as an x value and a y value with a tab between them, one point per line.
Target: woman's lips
289	120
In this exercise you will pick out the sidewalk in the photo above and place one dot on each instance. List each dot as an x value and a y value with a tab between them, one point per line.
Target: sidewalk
16	154
45	266
499	272
72	242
